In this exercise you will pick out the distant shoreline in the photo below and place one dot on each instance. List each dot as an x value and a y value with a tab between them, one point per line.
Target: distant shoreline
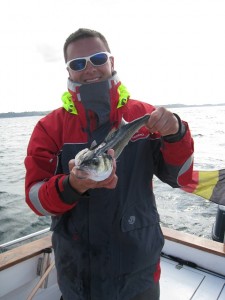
44	113
24	114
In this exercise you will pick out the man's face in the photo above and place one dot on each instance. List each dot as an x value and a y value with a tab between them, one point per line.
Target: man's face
87	47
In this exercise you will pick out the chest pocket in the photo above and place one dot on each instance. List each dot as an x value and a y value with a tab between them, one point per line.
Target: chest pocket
138	217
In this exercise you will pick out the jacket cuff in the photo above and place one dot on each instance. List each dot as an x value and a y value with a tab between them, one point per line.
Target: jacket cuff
172	138
67	193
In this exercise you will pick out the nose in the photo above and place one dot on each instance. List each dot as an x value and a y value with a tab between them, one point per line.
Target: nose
89	66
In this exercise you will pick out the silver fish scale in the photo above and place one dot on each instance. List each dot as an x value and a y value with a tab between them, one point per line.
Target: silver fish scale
118	139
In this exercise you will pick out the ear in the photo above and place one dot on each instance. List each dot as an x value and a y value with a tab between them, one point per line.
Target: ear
68	70
112	62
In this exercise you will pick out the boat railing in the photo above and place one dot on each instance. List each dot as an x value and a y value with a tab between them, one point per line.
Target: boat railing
3	247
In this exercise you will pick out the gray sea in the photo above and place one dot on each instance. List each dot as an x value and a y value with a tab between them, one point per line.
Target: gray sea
178	210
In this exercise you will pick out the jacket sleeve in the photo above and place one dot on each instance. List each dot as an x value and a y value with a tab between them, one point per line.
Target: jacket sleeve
47	193
175	164
172	154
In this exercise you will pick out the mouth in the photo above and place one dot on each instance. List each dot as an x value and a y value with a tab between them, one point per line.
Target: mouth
96	79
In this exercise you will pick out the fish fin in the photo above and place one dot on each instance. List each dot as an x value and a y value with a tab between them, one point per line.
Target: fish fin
93	145
123	122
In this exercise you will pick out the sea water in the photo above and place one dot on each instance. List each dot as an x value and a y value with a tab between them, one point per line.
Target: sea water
178	210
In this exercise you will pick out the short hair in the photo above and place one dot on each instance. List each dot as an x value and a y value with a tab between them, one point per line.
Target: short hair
82	33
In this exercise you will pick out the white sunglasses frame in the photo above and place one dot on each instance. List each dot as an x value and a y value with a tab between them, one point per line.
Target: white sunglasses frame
87	59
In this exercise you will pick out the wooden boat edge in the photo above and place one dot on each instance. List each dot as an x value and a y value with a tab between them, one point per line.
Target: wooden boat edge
193	241
24	252
34	248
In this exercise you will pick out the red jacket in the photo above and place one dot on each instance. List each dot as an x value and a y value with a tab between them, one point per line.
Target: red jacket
61	127
111	239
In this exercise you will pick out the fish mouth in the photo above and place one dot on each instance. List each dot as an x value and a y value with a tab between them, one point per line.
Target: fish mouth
81	173
84	172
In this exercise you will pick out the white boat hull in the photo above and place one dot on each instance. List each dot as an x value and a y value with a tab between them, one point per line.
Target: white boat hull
18	270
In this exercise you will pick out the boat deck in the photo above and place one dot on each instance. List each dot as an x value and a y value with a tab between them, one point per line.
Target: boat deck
177	283
183	278
184	283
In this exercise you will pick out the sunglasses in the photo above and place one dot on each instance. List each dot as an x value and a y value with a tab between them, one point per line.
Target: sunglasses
97	59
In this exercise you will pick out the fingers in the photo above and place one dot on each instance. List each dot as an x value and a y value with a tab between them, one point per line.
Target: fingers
79	181
163	121
71	164
111	181
111	152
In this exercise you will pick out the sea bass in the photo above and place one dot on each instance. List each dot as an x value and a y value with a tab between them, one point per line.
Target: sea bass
95	162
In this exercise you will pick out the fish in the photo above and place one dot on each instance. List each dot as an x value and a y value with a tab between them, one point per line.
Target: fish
95	162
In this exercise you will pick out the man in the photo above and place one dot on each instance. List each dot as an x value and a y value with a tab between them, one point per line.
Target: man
106	234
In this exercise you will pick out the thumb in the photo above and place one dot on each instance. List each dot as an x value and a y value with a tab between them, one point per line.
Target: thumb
71	164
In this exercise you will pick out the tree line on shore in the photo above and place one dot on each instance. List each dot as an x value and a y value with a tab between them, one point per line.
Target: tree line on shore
44	113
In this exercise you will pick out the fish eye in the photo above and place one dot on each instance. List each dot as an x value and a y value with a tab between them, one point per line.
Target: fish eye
95	161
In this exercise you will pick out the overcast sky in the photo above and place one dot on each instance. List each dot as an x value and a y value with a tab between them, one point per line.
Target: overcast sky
166	51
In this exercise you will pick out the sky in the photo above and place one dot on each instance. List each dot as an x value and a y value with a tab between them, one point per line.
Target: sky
166	51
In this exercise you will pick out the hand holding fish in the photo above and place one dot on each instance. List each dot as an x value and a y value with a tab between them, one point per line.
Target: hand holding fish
98	162
163	121
81	182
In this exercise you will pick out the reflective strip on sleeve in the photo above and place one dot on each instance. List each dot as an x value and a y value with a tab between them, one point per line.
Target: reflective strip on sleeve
33	195
186	166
